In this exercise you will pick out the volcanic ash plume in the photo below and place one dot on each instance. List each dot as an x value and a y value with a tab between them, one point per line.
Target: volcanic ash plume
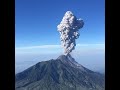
68	29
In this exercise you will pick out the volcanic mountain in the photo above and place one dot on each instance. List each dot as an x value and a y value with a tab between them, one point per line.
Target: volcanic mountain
63	73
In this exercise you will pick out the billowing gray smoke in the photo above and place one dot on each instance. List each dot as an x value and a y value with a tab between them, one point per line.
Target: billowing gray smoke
68	29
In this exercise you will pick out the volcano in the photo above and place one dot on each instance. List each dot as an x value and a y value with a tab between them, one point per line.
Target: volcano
63	73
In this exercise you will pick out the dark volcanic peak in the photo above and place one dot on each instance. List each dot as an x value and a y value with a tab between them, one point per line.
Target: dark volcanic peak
64	73
68	59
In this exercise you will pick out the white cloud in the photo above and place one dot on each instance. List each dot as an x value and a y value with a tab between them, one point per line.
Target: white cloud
54	46
42	46
57	48
90	44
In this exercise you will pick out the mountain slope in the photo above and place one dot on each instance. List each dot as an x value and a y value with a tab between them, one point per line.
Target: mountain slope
64	73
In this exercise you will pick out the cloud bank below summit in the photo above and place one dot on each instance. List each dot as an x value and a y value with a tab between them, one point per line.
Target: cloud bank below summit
28	56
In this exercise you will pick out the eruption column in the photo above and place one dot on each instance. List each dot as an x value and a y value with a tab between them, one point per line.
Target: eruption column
68	29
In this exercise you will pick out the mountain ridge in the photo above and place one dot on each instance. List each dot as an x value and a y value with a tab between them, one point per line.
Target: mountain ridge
63	73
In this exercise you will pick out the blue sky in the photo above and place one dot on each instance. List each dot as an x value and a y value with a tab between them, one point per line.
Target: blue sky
36	21
36	34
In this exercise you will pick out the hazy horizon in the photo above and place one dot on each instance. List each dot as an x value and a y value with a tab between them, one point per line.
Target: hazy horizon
94	60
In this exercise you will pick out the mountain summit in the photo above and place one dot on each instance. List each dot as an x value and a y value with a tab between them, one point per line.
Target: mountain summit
63	73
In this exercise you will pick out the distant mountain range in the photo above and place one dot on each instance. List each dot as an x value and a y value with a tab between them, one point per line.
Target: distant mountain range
63	73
